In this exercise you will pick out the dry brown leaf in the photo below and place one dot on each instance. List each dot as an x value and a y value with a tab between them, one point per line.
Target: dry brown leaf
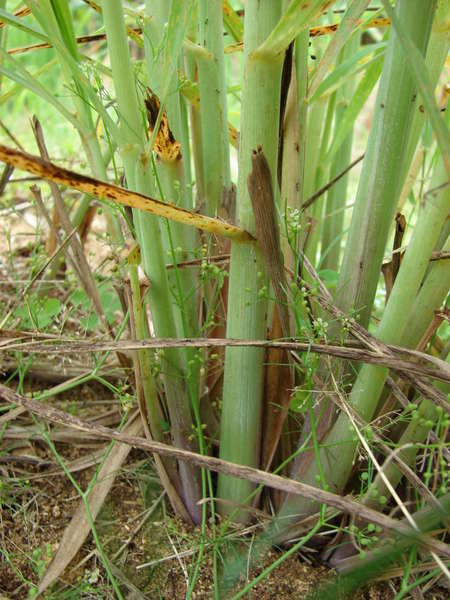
78	529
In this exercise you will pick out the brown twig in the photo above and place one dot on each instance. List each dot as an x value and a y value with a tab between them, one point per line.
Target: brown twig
307	203
390	357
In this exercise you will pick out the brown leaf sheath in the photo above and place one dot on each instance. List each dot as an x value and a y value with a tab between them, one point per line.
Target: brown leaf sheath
259	183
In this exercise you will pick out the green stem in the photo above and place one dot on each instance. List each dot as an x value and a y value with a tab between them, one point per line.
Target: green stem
139	177
57	20
321	170
310	218
172	173
247	313
420	425
338	458
213	105
437	52
337	196
379	188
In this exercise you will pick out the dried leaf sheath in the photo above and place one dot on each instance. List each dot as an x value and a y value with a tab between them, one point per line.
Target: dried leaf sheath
267	231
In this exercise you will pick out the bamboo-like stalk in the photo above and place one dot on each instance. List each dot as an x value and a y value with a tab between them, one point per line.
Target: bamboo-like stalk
320	174
416	325
139	176
310	220
247	312
432	294
213	106
337	195
437	52
379	185
172	169
336	460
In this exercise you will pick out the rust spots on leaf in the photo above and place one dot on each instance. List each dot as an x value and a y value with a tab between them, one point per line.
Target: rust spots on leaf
134	255
328	29
166	146
101	189
234	135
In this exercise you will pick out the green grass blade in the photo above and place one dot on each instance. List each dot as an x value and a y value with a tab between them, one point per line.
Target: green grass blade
347	25
10	19
18	73
296	18
357	103
64	20
360	61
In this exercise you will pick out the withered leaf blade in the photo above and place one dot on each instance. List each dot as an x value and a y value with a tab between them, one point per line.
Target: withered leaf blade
78	529
102	190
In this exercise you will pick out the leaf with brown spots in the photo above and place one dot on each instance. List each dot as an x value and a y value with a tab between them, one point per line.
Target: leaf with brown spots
166	146
101	189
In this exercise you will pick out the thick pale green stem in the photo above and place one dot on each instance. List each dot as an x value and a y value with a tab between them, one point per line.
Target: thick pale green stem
379	188
243	378
178	244
337	196
314	130
139	177
172	173
321	171
435	59
213	106
432	294
337	458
